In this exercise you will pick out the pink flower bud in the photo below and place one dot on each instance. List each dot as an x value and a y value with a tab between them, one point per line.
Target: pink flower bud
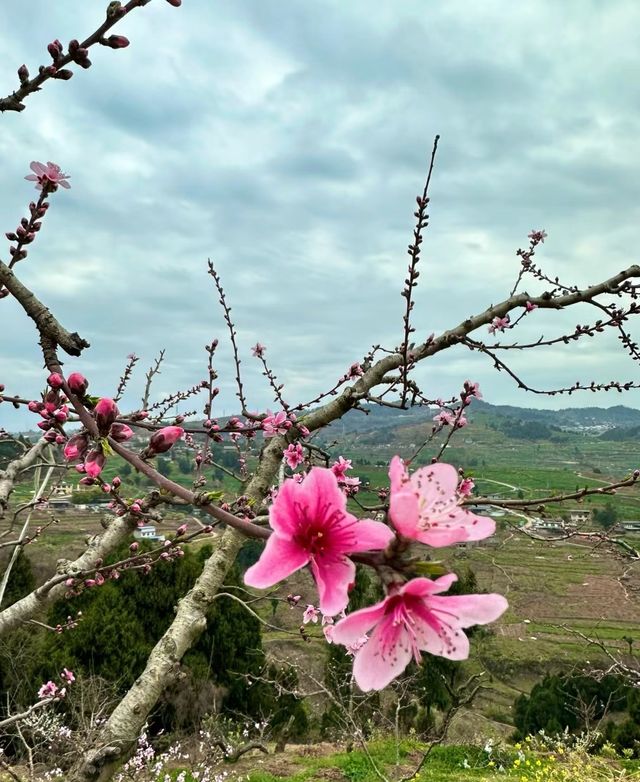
23	73
55	380
120	432
163	439
181	529
78	383
68	676
134	546
135	507
94	462
175	3
116	482
76	447
35	407
106	412
86	481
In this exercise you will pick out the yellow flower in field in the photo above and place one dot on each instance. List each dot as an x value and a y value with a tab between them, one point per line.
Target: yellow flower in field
518	745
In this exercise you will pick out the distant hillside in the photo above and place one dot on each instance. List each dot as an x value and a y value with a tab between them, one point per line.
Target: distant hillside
387	419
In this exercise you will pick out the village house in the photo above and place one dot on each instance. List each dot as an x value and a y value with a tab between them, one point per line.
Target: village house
147	532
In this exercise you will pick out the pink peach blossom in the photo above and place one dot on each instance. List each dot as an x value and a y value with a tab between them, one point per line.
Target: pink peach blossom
425	506
445	418
49	176
472	389
340	467
294	455
466	486
311	526
275	423
311	614
412	619
499	324
538	236
48	690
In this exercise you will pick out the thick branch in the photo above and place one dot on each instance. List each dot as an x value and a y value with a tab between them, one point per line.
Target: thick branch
9	476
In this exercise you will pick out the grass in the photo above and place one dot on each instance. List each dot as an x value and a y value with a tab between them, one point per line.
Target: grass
445	763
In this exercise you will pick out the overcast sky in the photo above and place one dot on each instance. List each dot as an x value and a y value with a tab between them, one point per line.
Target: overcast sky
286	140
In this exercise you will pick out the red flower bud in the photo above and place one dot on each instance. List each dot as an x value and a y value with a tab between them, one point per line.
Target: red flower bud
55	380
78	383
117	41
106	412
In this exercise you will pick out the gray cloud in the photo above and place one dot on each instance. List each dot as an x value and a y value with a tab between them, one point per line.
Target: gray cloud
287	143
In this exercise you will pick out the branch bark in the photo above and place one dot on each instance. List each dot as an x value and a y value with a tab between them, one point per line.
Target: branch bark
9	476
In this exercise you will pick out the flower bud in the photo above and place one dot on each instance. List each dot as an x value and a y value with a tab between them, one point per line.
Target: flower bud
78	383
55	380
117	41
175	3
163	439
76	447
94	462
121	432
106	412
134	546
23	73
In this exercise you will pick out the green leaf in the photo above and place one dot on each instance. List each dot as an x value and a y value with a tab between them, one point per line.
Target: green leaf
107	450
